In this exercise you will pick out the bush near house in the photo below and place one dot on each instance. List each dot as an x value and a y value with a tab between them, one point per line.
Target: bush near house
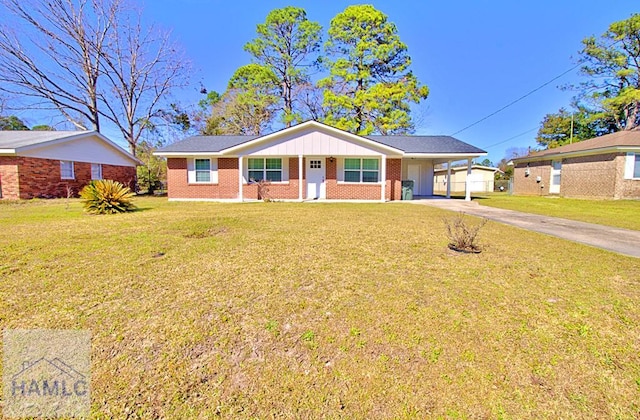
107	197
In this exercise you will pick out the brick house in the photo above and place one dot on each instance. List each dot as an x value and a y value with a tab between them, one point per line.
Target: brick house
49	164
602	167
309	161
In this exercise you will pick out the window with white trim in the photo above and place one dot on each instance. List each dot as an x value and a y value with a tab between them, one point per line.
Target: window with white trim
203	170
66	170
264	169
96	171
361	170
632	166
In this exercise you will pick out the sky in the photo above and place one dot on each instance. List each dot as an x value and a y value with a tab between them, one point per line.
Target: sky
475	56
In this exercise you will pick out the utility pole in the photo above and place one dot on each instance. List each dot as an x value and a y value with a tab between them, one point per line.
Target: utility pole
571	135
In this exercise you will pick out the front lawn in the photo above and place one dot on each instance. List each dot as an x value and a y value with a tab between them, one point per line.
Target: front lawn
290	310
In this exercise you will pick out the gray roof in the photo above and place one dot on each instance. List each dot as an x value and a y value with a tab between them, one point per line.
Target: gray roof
408	144
207	143
426	144
16	139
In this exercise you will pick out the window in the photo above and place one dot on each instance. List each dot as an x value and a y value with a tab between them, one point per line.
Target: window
632	166
66	170
96	171
361	170
268	169
203	170
315	164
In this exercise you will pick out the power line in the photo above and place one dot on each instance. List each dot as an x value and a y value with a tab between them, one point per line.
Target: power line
511	138
518	100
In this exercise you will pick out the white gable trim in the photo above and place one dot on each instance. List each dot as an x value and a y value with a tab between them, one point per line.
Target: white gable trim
319	127
83	134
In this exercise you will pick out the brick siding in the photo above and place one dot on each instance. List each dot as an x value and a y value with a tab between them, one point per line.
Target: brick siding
593	176
179	187
625	188
9	181
589	176
227	186
27	177
527	185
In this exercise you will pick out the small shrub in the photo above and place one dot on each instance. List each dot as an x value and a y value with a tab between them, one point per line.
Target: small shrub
106	197
462	237
263	191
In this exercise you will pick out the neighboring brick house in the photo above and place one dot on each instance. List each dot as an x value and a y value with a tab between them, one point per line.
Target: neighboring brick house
309	161
49	164
602	167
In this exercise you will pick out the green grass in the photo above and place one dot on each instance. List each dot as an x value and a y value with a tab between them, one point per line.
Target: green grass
289	310
616	213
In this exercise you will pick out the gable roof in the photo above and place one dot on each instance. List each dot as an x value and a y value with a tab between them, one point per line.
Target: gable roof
14	142
621	140
416	145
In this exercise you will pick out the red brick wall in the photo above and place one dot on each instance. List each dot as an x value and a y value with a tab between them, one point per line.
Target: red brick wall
40	178
394	179
9	184
340	191
227	186
179	187
287	191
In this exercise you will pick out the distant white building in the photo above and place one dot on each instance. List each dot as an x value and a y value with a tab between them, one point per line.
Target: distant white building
481	179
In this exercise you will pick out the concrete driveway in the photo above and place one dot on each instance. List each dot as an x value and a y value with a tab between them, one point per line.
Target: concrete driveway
622	241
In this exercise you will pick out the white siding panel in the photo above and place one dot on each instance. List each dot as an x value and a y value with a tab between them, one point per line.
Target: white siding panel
314	143
88	149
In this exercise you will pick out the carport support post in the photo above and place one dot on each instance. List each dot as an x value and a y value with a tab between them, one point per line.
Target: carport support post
448	179
383	176
467	186
240	176
300	180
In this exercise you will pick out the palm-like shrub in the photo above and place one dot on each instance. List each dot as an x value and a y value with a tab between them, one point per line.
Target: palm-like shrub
106	197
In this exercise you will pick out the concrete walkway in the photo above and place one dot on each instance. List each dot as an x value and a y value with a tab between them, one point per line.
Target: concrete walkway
623	241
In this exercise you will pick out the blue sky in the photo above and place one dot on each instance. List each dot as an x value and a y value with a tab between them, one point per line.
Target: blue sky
475	56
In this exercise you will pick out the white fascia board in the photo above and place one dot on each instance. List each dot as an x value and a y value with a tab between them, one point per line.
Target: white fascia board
318	126
9	152
590	152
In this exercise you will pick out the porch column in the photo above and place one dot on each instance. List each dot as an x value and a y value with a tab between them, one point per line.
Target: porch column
467	186
300	180
448	179
240	174
383	176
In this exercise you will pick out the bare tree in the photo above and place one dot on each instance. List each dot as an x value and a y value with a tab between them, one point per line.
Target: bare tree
89	60
59	68
141	67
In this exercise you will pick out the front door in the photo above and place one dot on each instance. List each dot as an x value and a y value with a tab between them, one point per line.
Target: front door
316	187
554	183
